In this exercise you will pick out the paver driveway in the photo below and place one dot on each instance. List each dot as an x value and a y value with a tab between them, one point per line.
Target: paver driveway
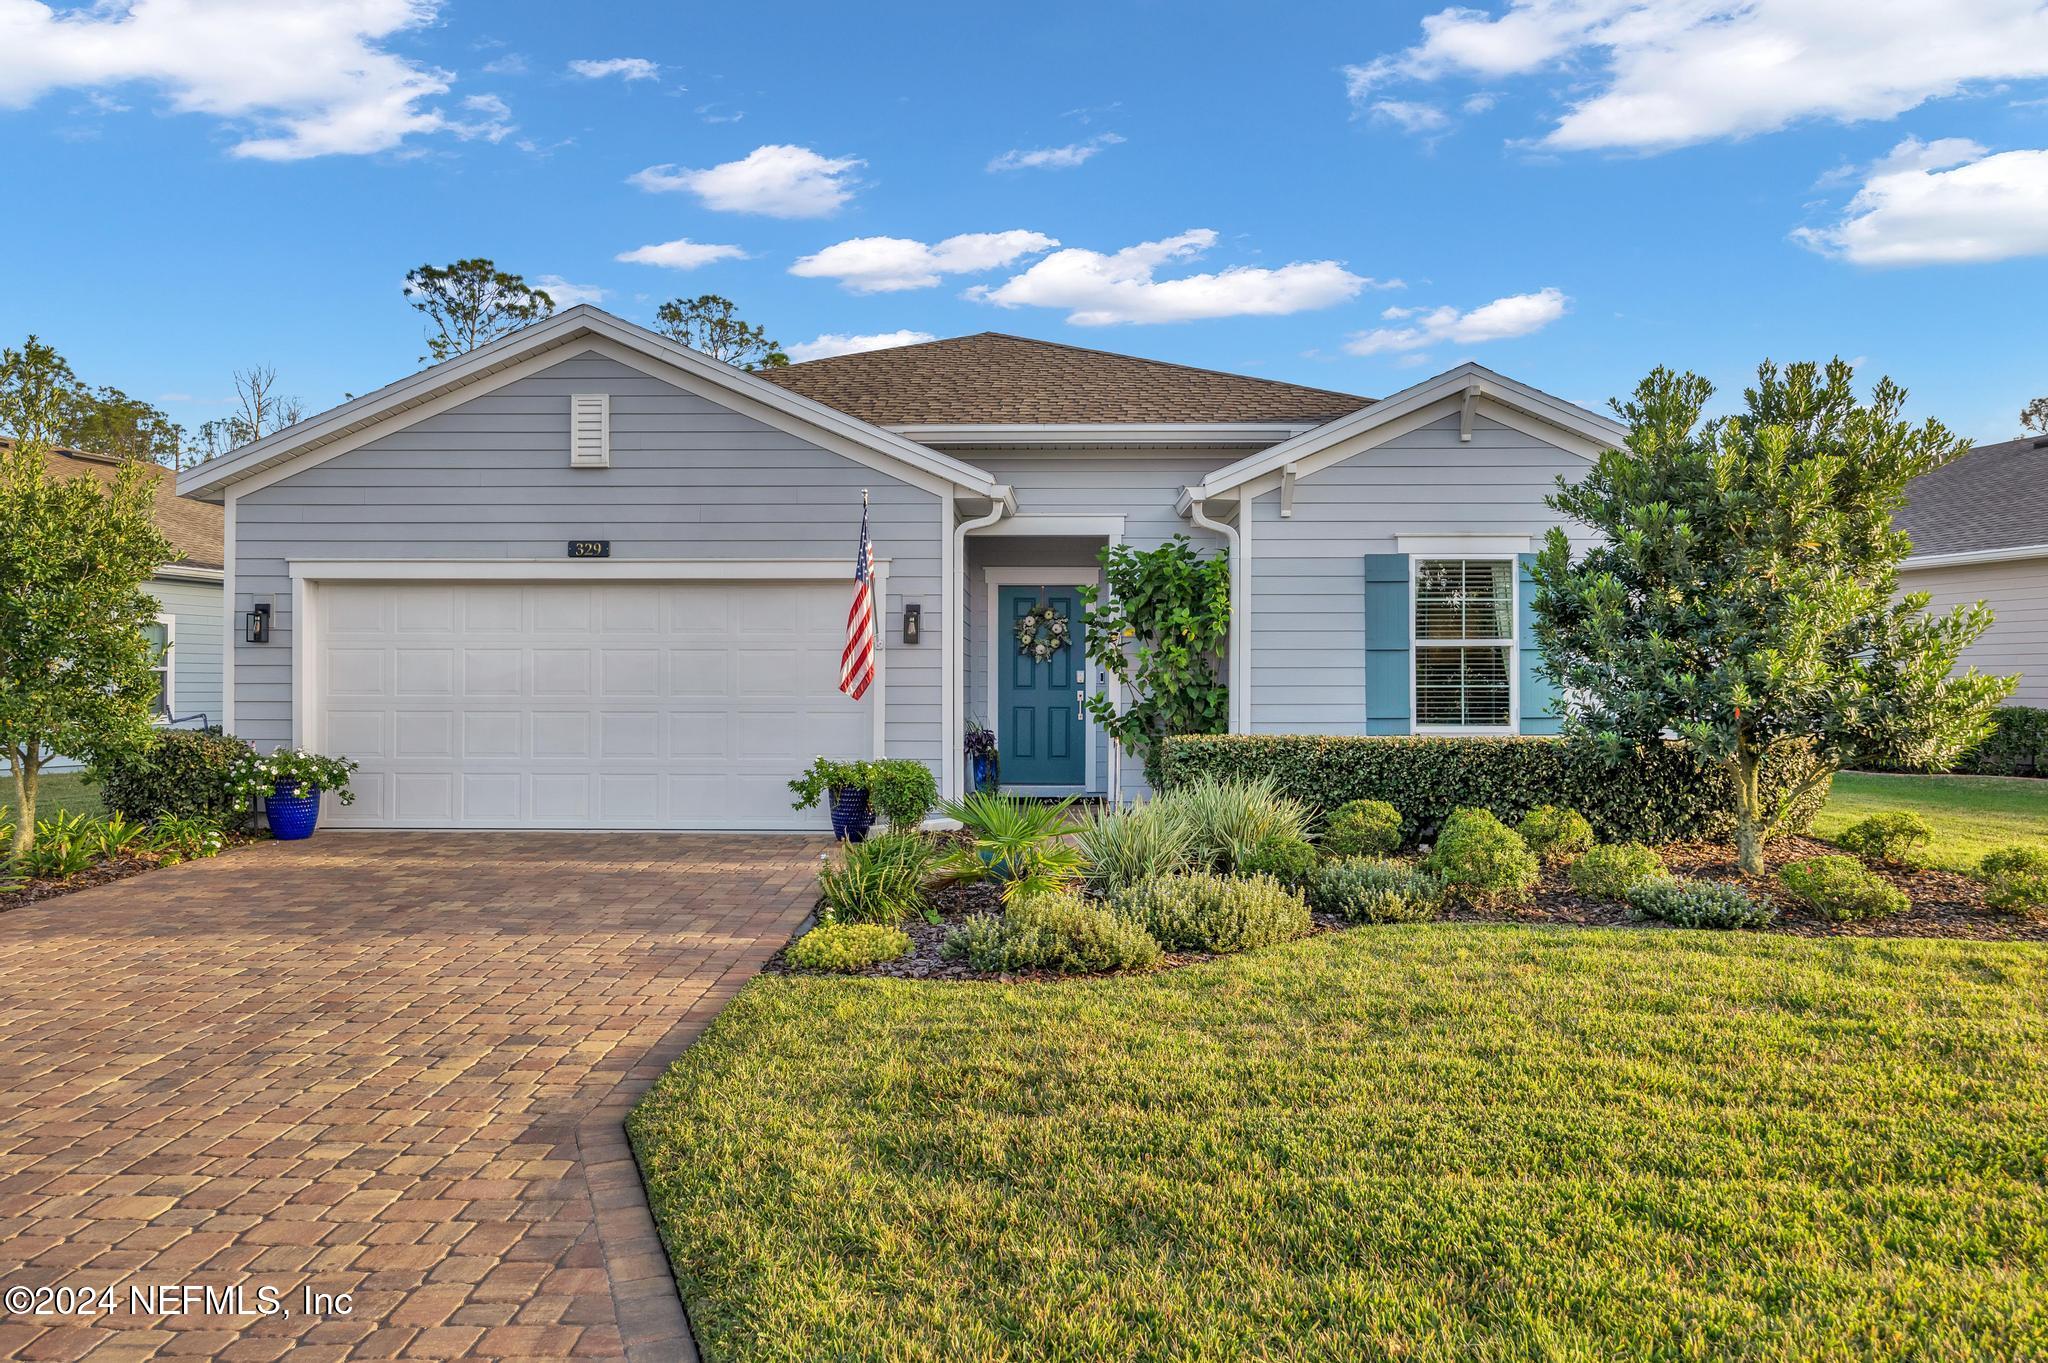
391	1065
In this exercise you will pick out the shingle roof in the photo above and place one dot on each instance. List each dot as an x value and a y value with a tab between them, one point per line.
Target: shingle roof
996	379
194	528
1994	497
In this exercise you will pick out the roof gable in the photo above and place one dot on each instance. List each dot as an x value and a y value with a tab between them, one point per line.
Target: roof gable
352	423
992	378
1583	432
1994	497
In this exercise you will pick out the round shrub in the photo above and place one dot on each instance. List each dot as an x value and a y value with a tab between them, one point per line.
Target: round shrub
1369	891
978	942
1075	936
1611	869
183	773
1285	857
1479	858
1698	903
846	946
1554	834
2016	880
1897	836
1203	912
1362	828
1842	889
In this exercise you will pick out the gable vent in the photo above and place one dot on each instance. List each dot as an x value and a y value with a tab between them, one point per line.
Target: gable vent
590	430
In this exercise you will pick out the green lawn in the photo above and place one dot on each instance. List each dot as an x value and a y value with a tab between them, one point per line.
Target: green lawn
1433	1142
57	793
1971	814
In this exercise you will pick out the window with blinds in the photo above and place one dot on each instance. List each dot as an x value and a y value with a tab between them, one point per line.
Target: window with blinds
1464	643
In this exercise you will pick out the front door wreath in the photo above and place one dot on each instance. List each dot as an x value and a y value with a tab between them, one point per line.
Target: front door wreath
1041	632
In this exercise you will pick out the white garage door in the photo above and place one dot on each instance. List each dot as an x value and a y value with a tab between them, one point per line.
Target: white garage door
666	705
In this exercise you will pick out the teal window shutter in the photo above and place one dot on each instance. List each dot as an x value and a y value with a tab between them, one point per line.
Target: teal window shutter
1539	697
1389	646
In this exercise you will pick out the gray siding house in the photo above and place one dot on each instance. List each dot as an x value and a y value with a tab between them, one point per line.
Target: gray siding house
584	577
1980	533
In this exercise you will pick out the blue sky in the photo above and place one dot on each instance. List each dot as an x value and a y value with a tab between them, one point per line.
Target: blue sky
1351	196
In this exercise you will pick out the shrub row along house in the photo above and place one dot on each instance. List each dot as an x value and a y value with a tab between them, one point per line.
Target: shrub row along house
584	577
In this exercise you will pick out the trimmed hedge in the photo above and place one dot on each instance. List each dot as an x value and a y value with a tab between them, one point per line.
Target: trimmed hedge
2017	747
183	773
1660	794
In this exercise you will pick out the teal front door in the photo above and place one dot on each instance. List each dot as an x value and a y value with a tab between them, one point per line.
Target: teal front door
1039	725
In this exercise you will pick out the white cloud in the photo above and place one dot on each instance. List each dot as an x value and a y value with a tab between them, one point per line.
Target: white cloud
777	181
1053	158
1946	202
298	78
680	254
484	116
1411	116
1673	72
511	64
831	343
625	68
892	264
1101	290
565	294
1502	319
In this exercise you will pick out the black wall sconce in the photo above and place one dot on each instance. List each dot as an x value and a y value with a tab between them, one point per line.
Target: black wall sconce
256	624
913	622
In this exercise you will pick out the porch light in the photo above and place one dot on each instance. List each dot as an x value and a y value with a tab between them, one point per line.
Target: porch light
256	624
913	621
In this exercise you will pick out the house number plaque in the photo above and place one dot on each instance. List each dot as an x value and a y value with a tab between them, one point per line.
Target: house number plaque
590	548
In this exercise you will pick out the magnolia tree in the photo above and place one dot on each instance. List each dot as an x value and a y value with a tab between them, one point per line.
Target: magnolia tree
75	665
1744	595
1159	624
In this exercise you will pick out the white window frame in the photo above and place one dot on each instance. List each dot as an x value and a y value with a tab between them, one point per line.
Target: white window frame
1416	644
169	666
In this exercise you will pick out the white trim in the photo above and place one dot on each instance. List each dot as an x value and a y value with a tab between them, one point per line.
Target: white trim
879	688
1040	575
231	633
1086	527
333	432
1135	433
575	570
1416	644
1962	558
185	572
953	667
170	663
1463	544
1238	657
1383	419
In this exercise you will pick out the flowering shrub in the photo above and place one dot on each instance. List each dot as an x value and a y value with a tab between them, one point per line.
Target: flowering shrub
297	773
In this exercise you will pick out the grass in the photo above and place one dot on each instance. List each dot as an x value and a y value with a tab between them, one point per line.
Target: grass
56	793
1434	1142
1971	815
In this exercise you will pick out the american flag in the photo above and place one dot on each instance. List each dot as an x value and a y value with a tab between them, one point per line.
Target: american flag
857	660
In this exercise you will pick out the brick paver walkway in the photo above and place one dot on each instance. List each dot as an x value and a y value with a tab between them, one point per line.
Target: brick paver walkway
388	1065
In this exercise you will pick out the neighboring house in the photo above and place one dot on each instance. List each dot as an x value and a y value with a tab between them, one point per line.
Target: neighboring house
1980	533
432	616
188	592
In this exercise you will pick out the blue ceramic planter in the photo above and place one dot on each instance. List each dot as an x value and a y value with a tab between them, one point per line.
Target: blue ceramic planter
981	771
291	816
852	816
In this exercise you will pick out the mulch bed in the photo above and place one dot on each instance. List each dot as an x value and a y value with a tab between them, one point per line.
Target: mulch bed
101	873
1945	904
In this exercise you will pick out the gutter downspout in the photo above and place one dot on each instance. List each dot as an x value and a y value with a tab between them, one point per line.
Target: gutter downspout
1238	664
956	624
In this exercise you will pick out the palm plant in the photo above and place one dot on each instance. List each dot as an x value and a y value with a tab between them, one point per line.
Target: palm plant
1019	843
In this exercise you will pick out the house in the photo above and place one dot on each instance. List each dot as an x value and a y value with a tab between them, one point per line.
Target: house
585	577
188	593
1980	533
